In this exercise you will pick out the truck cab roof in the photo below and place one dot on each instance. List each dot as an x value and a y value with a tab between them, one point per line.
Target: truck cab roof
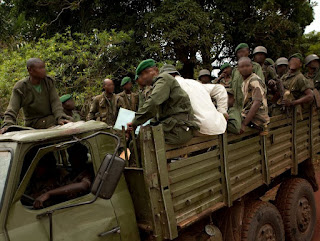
37	135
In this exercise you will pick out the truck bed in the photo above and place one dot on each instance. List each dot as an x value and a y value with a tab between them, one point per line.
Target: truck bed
178	185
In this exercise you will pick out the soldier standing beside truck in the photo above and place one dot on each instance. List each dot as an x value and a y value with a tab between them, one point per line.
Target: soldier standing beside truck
169	100
38	98
129	98
105	107
69	107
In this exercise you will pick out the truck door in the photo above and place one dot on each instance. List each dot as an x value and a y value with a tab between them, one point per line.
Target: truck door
92	222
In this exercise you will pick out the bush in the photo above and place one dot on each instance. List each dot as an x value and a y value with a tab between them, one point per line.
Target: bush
78	62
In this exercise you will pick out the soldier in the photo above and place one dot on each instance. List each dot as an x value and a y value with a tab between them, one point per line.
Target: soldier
169	100
224	75
205	76
69	107
295	84
129	98
38	98
281	66
144	91
255	107
210	119
105	107
269	62
242	50
312	62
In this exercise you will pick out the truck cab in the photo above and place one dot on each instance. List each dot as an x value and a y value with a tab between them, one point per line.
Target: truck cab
75	218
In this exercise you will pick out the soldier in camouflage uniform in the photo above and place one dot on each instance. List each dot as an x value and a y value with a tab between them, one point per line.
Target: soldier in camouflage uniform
298	90
281	66
105	107
224	75
234	121
255	107
38	98
312	62
129	98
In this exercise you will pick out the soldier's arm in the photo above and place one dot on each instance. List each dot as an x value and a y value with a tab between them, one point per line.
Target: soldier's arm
93	110
160	94
258	71
306	99
219	94
10	116
73	188
56	106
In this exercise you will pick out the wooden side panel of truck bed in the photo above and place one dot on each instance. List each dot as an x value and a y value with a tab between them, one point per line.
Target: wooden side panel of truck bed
185	183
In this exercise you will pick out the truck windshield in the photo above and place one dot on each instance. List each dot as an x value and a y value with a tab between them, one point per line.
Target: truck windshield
5	159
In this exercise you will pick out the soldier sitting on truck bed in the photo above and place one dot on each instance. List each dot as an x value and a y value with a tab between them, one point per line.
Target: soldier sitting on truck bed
169	103
38	98
298	90
71	185
255	107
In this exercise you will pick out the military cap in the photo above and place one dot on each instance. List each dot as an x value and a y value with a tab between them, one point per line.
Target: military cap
269	61
260	49
224	66
204	72
230	91
241	46
125	80
169	68
66	97
282	61
297	55
310	58
145	64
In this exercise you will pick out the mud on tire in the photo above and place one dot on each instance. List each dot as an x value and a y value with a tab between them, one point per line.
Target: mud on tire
262	221
295	201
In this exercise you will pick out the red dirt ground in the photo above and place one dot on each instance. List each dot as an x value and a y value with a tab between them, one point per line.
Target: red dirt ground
316	236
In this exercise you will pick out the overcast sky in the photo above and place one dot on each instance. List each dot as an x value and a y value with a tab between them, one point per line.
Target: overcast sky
315	25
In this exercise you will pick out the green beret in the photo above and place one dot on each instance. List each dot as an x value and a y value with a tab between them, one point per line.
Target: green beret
145	64
136	77
241	46
269	61
66	97
224	66
125	80
298	56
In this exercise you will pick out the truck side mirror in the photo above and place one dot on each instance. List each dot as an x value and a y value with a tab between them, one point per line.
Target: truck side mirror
108	177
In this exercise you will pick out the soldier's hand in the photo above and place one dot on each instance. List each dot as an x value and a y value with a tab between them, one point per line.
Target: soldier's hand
3	130
38	203
226	116
242	129
272	82
63	121
287	103
130	127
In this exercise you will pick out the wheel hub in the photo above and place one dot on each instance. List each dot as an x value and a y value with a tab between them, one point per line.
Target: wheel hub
303	214
266	233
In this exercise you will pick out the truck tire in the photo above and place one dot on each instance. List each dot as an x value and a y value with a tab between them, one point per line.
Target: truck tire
295	201
262	221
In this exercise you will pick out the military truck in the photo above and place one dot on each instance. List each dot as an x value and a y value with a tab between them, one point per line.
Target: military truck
211	188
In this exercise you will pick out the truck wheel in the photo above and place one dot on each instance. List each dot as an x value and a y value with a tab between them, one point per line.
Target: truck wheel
262	222
295	201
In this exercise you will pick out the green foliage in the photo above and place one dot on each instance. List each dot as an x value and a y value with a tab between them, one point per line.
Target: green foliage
310	43
78	62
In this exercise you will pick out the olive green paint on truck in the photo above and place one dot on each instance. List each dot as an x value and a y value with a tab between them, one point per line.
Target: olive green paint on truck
180	191
78	223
